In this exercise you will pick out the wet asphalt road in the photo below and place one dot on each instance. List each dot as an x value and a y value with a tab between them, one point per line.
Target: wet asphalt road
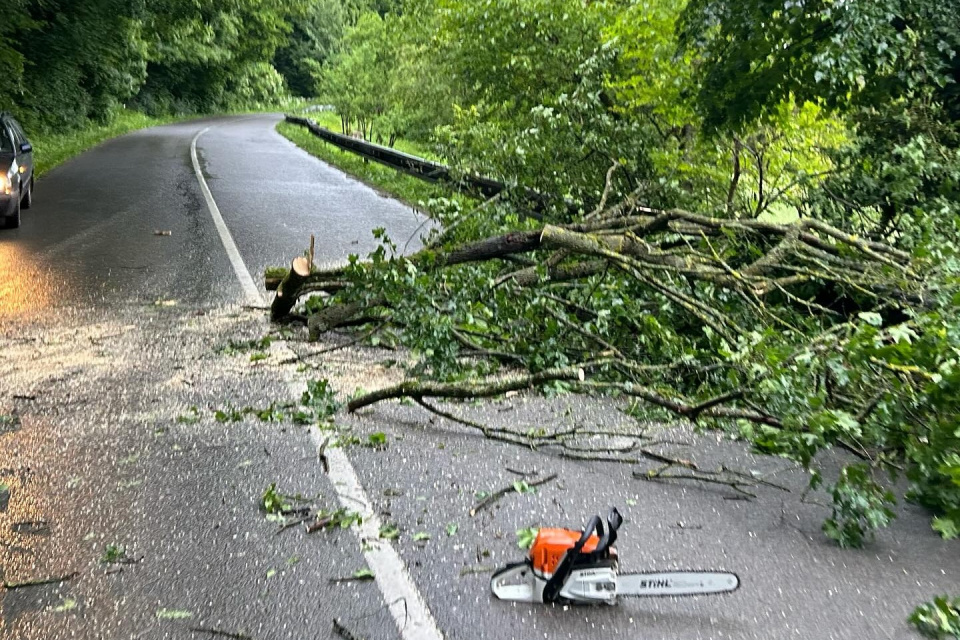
106	450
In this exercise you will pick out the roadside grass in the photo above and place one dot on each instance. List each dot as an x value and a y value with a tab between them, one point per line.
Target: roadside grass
53	149
396	183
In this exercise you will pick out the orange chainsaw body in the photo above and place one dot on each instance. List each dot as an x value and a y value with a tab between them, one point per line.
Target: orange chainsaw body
550	545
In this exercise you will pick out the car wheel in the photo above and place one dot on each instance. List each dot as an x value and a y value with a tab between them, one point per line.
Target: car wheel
14	221
28	196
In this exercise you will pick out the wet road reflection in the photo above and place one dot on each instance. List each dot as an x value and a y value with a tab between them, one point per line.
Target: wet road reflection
24	286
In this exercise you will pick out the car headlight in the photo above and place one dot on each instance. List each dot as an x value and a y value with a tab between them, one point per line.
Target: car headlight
6	181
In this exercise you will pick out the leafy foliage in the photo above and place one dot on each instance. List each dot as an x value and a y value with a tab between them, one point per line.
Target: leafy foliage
341	518
319	402
759	111
272	501
859	507
939	619
113	554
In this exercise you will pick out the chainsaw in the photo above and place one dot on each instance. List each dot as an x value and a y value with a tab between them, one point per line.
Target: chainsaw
575	567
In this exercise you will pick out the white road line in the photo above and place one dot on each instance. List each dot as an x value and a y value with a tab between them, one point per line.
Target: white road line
250	290
410	611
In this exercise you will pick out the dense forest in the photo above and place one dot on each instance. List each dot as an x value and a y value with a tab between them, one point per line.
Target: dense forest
747	212
67	63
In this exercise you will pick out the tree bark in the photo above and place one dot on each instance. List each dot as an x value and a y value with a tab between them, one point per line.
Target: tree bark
337	315
288	290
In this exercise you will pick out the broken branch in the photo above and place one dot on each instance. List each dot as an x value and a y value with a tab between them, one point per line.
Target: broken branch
497	495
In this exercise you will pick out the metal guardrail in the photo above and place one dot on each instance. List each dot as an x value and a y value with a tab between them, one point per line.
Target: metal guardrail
417	167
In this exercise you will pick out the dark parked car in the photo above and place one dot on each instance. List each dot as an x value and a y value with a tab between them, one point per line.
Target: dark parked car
16	171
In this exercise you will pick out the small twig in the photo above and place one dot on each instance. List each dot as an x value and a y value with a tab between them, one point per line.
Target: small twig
495	497
608	183
322	455
470	423
733	484
343	632
749	477
659	457
361	578
868	408
220	633
320	524
9	586
521	473
694	412
23	396
298	357
31	527
292	523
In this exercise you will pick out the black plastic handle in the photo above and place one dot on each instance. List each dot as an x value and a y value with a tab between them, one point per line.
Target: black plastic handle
551	591
614	520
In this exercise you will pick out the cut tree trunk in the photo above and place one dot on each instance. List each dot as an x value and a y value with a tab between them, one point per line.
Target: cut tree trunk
289	289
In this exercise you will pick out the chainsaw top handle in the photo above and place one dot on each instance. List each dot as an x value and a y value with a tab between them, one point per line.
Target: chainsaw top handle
551	591
614	520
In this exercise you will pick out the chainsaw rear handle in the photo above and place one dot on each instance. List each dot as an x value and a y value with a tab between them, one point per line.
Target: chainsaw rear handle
551	592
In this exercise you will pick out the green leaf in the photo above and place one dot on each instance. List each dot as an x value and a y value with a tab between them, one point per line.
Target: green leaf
113	553
173	614
192	416
389	532
363	574
421	536
871	318
377	440
452	528
272	501
66	605
946	527
526	537
522	487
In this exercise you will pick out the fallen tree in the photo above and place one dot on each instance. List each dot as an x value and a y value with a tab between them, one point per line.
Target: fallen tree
798	337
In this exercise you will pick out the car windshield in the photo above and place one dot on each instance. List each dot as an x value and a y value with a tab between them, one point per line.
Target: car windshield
6	141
